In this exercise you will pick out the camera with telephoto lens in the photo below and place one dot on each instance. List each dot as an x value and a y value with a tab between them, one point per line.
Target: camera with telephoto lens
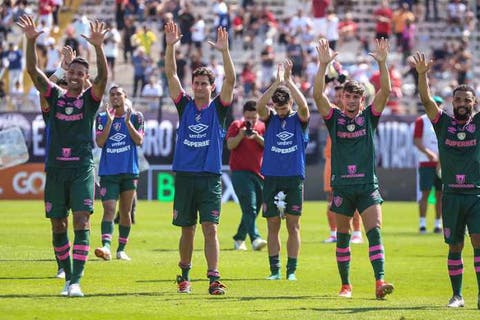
248	128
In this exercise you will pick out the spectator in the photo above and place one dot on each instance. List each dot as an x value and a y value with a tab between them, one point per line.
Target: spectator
267	64
111	43
153	92
140	61
319	21
186	20
332	33
199	34
145	38
129	29
14	57
399	19
383	17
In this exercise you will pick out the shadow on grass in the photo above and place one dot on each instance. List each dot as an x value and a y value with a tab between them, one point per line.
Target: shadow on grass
94	295
206	280
26	260
353	310
27	278
173	250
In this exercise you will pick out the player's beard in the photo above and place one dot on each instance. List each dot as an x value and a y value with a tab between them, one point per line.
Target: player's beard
464	116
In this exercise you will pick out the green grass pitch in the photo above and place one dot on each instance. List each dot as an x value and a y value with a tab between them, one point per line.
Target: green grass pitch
144	288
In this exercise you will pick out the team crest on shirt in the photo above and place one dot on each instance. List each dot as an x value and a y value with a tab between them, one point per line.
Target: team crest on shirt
198	117
117	126
66	152
283	124
337	200
460	178
351	127
69	110
471	127
461	135
78	103
352	169
360	121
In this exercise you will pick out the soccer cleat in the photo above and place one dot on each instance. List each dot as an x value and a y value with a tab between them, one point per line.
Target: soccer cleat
258	244
216	288
103	253
183	285
356	240
74	290
456	302
64	292
423	230
291	277
60	274
274	276
331	239
239	245
345	291
382	289
437	230
121	255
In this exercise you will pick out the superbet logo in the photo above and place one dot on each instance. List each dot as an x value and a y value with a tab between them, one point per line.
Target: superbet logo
29	182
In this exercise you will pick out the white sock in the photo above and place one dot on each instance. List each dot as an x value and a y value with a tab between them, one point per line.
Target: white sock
438	223
357	234
333	233
423	222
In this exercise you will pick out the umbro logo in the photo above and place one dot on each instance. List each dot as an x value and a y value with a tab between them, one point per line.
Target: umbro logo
117	137
284	135
198	128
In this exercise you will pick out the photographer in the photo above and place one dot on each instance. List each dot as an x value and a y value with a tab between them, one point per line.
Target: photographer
245	142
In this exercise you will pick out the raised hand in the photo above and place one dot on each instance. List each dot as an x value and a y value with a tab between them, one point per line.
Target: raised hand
325	55
172	33
28	26
98	30
128	116
287	66
420	62
68	55
222	40
381	52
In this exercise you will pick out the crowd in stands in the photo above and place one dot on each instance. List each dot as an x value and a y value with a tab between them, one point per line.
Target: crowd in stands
260	36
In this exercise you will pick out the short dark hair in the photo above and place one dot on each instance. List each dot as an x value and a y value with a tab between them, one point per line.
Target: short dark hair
204	71
353	86
81	61
250	105
281	96
116	86
339	87
464	87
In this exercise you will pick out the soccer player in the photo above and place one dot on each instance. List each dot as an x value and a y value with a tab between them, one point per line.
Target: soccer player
354	182
198	156
69	162
459	149
283	166
119	130
425	140
327	172
245	142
